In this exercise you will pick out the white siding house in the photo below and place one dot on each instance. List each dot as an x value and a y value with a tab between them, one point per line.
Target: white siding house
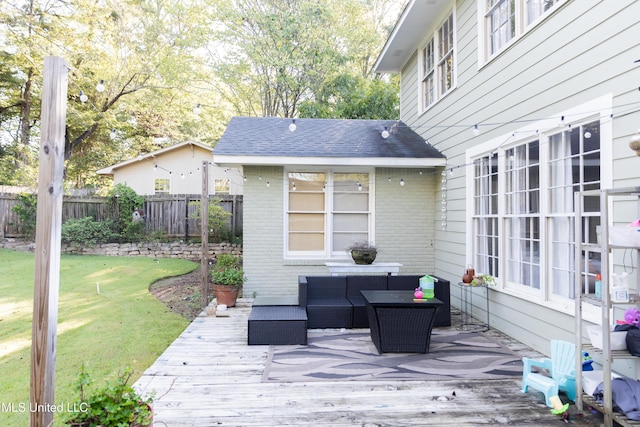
529	101
176	169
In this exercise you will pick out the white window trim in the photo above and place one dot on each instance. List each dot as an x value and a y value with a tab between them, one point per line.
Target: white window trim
327	253
484	51
600	108
433	34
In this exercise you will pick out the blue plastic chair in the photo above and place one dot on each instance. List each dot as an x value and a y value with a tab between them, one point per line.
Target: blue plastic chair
561	368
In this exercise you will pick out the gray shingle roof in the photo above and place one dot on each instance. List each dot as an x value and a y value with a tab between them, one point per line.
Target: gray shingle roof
329	138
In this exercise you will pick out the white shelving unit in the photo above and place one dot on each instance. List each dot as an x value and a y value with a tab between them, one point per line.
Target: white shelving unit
585	244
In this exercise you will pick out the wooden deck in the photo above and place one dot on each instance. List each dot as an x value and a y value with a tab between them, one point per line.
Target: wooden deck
210	377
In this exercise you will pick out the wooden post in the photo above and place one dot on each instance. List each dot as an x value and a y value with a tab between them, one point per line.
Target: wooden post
204	231
47	251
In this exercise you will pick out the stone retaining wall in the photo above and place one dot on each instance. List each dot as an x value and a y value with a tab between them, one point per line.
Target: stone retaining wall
190	251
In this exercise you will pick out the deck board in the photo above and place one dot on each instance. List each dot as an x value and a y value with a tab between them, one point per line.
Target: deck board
210	377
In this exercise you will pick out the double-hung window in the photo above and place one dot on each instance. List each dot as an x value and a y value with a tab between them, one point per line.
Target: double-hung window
505	20
437	64
326	212
523	209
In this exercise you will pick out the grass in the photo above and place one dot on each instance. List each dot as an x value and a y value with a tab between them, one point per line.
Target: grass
121	325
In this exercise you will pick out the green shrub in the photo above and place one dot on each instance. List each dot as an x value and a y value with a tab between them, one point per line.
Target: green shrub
219	229
228	271
26	210
124	201
228	261
87	232
115	405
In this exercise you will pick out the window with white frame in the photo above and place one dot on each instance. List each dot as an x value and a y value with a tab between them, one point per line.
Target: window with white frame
221	186
162	185
505	20
437	59
533	227
326	212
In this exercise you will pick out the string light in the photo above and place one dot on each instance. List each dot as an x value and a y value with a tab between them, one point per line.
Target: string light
385	133
83	97
476	130
100	86
196	110
292	125
401	182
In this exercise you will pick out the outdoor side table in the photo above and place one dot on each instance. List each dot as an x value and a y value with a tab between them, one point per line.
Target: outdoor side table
397	323
468	322
277	321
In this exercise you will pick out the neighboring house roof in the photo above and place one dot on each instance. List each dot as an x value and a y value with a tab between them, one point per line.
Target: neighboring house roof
269	141
407	33
110	169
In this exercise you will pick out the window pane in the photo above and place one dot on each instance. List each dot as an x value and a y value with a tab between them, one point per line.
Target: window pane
351	202
306	242
501	24
350	222
221	186
161	185
306	201
304	181
306	222
341	241
351	182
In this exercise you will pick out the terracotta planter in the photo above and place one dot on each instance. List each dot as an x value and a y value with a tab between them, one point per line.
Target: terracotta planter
226	294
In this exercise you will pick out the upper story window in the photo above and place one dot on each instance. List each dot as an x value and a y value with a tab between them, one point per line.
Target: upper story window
437	60
505	20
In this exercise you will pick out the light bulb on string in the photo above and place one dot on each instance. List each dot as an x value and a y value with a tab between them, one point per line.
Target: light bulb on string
100	86
401	182
292	125
385	133
112	134
268	184
196	110
83	97
476	130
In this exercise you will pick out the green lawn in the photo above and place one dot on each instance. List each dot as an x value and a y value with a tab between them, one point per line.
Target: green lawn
122	325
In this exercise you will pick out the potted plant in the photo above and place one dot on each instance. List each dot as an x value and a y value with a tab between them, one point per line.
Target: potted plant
116	404
227	277
363	252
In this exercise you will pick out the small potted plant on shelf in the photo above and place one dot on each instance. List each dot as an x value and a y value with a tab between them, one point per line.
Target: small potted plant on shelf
227	277
483	280
116	404
363	252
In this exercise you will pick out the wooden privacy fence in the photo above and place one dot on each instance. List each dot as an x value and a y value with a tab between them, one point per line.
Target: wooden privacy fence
168	214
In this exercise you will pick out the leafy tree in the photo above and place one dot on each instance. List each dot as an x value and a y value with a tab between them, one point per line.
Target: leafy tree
148	56
355	97
280	54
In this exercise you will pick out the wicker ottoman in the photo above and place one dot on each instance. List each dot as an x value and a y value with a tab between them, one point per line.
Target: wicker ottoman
280	325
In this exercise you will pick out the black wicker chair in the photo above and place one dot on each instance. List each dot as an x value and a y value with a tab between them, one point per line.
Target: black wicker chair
325	298
355	284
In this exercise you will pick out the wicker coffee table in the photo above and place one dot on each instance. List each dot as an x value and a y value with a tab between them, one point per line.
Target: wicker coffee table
397	323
